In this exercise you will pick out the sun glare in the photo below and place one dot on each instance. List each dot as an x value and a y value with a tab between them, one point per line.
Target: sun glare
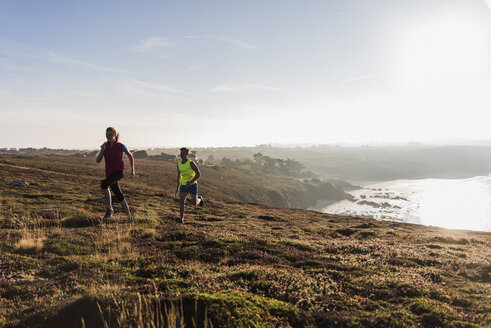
439	49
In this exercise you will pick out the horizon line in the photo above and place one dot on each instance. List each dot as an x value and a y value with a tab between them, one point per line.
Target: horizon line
463	142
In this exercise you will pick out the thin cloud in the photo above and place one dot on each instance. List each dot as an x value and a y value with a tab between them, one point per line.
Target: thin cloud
193	68
51	100
242	88
67	60
263	87
13	68
150	44
16	49
249	108
368	76
225	88
234	42
160	87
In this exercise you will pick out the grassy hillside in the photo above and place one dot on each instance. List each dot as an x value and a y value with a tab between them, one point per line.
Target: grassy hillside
232	264
223	182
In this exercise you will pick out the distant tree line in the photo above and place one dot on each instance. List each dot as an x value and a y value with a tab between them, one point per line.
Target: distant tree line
164	156
31	150
47	151
268	165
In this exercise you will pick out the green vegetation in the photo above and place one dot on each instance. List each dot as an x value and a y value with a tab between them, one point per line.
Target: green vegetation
267	165
232	264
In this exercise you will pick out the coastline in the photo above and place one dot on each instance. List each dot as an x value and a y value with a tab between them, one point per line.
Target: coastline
447	203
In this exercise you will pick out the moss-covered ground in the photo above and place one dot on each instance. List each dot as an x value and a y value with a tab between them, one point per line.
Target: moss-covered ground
232	264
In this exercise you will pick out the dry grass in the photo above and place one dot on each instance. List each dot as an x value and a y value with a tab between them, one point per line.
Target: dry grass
147	311
30	243
116	240
248	265
32	236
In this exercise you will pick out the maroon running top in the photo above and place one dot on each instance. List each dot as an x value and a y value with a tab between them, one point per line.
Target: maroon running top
113	156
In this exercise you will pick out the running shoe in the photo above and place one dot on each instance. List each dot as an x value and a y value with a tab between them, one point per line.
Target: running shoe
202	202
109	213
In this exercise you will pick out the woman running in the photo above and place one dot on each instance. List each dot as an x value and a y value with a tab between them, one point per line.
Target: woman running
112	151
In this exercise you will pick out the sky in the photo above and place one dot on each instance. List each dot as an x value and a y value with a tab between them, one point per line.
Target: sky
241	73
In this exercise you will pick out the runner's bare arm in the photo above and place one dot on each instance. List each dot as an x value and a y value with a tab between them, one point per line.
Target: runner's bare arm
132	161
101	153
178	178
196	171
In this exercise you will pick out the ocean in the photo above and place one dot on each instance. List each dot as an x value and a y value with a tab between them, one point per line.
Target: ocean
447	203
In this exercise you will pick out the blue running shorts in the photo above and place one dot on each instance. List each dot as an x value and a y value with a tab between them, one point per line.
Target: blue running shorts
192	189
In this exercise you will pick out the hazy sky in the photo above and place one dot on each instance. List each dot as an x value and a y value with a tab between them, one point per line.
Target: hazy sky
226	73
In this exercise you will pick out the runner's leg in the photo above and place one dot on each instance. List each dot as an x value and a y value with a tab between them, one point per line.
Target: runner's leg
105	184
194	200
126	208
117	191
115	187
107	196
182	200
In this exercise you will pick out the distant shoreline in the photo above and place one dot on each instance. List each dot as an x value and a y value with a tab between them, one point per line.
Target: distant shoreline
446	203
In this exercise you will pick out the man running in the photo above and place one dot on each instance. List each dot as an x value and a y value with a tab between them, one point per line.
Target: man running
187	176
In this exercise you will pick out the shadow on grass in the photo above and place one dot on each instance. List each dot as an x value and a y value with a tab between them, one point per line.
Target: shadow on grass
69	316
83	222
222	309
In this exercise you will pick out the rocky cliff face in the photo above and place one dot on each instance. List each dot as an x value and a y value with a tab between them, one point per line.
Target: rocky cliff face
303	195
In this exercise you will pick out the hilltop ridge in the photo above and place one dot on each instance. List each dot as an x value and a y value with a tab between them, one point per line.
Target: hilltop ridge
242	264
